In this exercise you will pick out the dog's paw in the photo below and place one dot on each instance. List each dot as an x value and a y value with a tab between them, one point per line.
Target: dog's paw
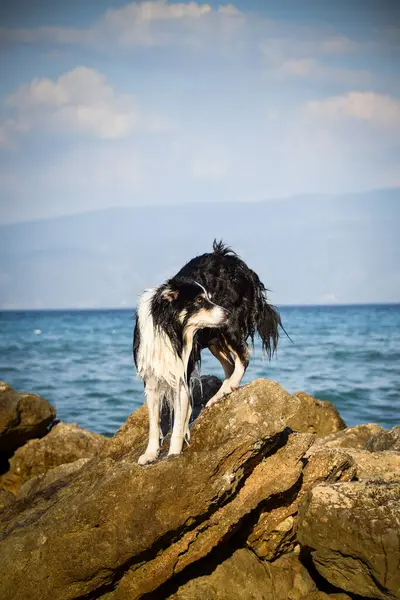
174	453
147	458
213	401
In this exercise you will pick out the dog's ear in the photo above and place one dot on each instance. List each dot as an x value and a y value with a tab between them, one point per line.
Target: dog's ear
170	295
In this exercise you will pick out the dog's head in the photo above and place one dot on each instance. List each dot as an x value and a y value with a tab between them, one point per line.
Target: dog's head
193	305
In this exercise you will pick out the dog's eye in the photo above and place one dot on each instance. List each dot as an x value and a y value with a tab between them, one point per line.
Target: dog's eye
199	300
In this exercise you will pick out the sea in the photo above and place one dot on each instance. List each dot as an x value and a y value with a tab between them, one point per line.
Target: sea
81	361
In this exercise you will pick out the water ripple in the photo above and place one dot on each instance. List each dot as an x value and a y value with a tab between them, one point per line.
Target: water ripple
82	361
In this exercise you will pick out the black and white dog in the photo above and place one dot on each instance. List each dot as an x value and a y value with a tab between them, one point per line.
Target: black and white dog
215	302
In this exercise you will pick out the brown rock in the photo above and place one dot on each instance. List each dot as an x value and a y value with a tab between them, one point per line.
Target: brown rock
22	417
328	465
351	437
241	577
380	466
65	443
352	531
6	498
10	482
385	440
289	579
58	476
275	530
277	472
316	416
116	523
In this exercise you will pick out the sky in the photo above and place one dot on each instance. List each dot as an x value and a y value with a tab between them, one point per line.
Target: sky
106	103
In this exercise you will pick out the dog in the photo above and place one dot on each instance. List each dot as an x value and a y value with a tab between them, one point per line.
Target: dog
215	301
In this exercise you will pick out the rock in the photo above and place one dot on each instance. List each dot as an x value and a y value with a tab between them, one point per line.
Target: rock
60	476
241	576
274	532
289	579
22	417
117	528
10	482
385	440
316	416
379	466
6	498
352	437
355	441
65	443
352	531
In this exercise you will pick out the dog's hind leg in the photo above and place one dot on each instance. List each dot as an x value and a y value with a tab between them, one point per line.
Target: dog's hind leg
182	412
222	353
153	405
241	357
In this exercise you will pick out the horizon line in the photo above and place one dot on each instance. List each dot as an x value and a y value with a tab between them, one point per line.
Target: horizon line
133	308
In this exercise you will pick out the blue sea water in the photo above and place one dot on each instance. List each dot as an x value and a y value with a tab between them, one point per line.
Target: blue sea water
81	361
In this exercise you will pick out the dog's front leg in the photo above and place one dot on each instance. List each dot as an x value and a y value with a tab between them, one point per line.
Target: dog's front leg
153	405
182	410
233	382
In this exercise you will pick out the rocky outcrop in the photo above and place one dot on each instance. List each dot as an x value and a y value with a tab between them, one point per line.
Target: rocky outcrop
372	449
226	580
275	530
352	531
22	417
173	512
385	440
64	444
352	437
317	416
255	507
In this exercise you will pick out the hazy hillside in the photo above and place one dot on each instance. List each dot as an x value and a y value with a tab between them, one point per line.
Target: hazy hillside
306	249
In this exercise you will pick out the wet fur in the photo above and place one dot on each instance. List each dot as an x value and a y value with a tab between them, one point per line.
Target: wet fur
172	329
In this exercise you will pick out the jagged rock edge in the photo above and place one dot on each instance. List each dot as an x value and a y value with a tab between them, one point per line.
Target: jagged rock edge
268	448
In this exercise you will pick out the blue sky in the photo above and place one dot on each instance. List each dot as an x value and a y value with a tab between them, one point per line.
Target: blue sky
146	103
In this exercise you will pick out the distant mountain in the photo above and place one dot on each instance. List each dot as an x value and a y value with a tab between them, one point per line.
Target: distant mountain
309	249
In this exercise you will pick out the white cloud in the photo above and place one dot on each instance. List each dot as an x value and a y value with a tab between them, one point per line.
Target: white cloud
159	23
80	100
375	108
156	11
286	41
312	68
148	23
